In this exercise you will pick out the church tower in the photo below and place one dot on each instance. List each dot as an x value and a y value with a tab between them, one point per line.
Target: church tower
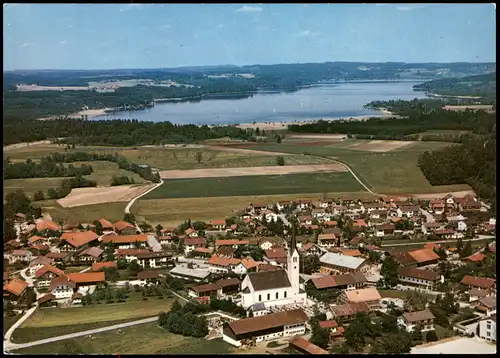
293	265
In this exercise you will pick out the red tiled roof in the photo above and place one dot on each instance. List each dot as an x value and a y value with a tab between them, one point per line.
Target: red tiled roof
273	320
61	280
131	252
204	250
276	253
35	238
47	225
80	238
16	286
306	346
87	277
194	241
218	222
222	261
231	242
124	239
267	267
480	282
48	268
96	266
424	255
122	225
106	224
477	257
328	324
19	253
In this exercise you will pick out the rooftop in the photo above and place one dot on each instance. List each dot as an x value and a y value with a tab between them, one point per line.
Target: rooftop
255	324
418	316
340	260
268	280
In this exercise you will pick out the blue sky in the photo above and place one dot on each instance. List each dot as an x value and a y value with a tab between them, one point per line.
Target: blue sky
103	36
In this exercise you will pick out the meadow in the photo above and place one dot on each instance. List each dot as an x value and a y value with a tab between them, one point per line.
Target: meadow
146	338
255	185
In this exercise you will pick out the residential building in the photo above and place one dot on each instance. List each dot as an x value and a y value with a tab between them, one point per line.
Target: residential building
369	295
410	320
37	264
486	306
384	230
62	288
231	243
149	260
488	328
130	254
14	291
333	328
126	241
266	327
73	242
218	224
89	255
20	256
46	274
87	278
484	283
186	273
304	346
348	310
349	281
191	243
125	228
106	225
418	278
99	266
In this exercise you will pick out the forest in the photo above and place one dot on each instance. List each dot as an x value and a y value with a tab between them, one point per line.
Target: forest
115	132
44	169
479	85
398	128
473	162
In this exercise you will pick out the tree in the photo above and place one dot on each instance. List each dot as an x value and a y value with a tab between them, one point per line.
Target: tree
98	227
467	250
111	274
431	336
199	157
280	160
158	228
416	335
200	327
320	336
278	139
134	268
128	217
389	271
460	245
354	336
18	201
9	232
38	196
310	264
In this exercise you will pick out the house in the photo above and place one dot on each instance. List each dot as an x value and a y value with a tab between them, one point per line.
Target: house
416	258
486	306
304	346
447	234
129	255
305	219
384	230
348	310
410	320
99	266
319	213
90	255
206	290
76	298
450	200
369	295
368	208
166	240
245	266
15	290
154	259
258	206
62	288
76	241
429	228
266	267
311	249
203	252
58	257
219	264
349	281
223	251
37	264
106	225
47	300
469	206
87	278
418	278
345	264
150	276
34	240
125	228
488	328
276	256
378	214
266	327
266	243
332	327
437	206
167	231
186	273
475	294
190	232
46	274
218	224
327	240
12	245
126	241
47	228
304	204
20	256
470	282
281	205
191	243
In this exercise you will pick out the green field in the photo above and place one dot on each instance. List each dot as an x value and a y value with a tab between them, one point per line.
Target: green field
256	185
141	339
393	172
30	186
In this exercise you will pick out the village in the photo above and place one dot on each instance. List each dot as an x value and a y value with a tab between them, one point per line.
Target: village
305	275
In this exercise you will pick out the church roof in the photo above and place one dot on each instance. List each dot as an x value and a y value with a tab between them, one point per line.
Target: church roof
269	280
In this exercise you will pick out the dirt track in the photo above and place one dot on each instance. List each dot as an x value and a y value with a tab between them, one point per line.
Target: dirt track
381	145
318	136
90	196
245	151
458	194
232	172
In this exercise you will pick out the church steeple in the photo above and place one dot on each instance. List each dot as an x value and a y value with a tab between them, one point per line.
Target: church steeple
293	243
293	265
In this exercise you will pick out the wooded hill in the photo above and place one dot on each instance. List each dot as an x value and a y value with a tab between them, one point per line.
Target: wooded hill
480	85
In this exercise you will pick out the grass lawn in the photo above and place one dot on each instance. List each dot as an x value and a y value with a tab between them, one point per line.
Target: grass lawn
50	322
175	211
84	214
142	339
8	321
256	185
105	171
394	172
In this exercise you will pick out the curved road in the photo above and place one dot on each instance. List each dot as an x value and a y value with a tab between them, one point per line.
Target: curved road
131	202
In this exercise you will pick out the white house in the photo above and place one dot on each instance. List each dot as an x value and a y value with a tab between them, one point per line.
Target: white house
410	320
461	225
269	216
408	211
37	264
488	328
62	288
191	243
19	256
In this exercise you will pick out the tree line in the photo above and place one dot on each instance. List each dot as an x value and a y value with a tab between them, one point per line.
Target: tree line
478	85
14	203
44	169
397	128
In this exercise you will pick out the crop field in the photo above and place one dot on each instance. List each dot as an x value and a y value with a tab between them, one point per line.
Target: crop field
394	172
30	186
256	185
146	338
83	214
170	212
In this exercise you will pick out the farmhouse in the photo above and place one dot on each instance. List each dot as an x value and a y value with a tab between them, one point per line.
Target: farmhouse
410	320
19	256
37	264
349	310
417	258
327	240
186	273
86	279
47	227
337	262
191	243
305	347
348	281
332	327
15	290
264	328
45	275
218	288
418	278
76	241
384	230
130	254
486	306
219	264
369	295
218	224
106	226
311	249
91	254
62	288
126	241
99	266
470	282
231	243
276	256
125	228
149	260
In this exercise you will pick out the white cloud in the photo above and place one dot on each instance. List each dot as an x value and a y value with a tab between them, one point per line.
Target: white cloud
306	33
128	7
220	26
249	9
63	42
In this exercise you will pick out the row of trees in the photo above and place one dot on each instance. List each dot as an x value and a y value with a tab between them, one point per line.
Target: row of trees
17	202
185	320
44	169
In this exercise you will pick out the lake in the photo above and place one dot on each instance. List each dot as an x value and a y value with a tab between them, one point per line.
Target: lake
326	100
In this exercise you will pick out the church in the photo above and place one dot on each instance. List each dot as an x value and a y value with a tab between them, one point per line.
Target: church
261	291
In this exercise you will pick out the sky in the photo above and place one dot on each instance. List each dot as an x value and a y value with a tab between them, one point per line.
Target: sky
114	36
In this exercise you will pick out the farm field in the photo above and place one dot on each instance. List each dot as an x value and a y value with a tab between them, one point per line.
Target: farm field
146	338
169	212
83	214
256	185
394	172
31	185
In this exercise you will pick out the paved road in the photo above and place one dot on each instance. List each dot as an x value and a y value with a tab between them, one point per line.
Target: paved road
481	237
131	202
